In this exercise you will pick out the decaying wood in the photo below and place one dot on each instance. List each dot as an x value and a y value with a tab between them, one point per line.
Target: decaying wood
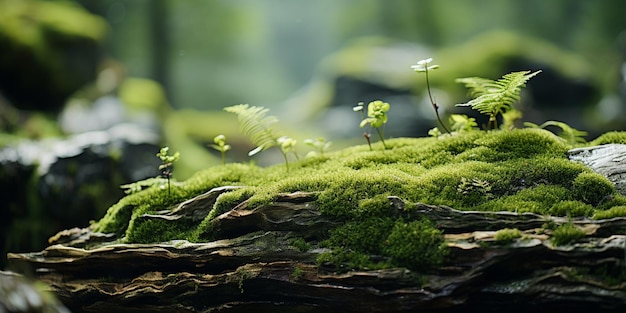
608	160
256	268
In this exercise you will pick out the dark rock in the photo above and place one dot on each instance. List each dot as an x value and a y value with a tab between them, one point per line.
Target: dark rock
56	184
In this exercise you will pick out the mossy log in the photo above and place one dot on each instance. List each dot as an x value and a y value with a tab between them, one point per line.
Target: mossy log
481	221
256	266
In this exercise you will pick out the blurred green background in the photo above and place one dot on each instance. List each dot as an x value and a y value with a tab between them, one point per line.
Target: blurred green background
294	56
209	54
85	67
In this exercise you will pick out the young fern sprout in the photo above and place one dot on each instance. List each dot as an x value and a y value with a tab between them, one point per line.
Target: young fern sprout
256	124
377	117
221	146
495	97
167	163
423	67
319	143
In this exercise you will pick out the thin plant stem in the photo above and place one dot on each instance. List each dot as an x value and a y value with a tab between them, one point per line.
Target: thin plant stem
432	101
286	160
367	137
494	120
381	138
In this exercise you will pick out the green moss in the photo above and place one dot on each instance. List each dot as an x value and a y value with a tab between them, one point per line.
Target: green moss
507	235
566	233
229	200
592	188
523	143
538	199
610	137
119	218
363	236
520	170
571	208
415	245
159	230
301	244
616	211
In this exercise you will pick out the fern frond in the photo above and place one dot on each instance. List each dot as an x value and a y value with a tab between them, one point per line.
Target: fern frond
256	124
477	86
495	97
570	134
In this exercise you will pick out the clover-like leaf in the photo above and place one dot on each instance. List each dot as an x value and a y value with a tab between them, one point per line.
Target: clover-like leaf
422	65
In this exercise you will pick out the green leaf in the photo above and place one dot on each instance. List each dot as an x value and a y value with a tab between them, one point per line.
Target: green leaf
257	125
569	134
495	97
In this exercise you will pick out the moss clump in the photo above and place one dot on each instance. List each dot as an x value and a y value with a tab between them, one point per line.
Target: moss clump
610	137
616	211
159	230
512	144
592	188
571	208
120	218
507	235
415	245
522	170
566	233
301	244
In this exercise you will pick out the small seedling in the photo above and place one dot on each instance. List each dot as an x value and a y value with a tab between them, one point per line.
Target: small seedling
377	117
423	67
320	144
167	164
434	132
287	144
221	146
359	108
462	123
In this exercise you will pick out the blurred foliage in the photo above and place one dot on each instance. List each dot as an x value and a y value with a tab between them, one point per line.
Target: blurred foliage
263	50
49	50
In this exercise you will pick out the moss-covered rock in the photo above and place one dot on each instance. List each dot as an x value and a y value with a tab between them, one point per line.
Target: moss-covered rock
471	216
524	170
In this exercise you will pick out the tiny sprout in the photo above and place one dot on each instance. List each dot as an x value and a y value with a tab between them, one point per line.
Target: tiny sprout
167	164
434	132
286	145
319	143
359	108
221	146
377	117
423	67
462	123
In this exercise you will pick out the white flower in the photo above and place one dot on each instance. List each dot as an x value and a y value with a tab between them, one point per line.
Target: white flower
422	65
